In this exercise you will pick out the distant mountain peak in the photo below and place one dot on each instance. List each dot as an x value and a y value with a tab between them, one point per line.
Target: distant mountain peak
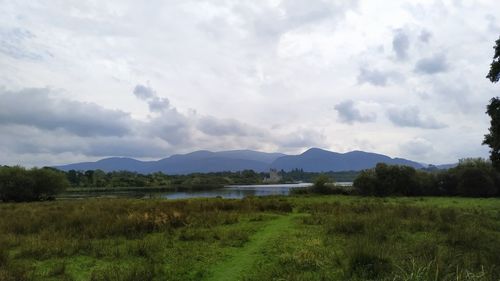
315	150
203	161
320	160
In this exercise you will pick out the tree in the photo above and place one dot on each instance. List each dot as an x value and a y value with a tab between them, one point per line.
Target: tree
18	184
366	182
476	182
48	183
494	73
476	178
492	139
320	184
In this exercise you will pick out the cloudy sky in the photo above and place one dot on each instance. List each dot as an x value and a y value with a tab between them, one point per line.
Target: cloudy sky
82	80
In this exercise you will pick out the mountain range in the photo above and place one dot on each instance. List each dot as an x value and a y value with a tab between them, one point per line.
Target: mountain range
203	161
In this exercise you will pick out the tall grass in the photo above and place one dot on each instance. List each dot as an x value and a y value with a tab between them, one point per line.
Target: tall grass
335	238
121	238
387	239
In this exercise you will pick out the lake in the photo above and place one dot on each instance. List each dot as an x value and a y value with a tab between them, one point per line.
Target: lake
231	191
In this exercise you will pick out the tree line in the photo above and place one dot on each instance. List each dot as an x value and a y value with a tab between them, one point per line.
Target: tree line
99	178
21	184
297	175
470	178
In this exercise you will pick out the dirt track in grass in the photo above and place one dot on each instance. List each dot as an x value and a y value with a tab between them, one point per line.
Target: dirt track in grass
242	260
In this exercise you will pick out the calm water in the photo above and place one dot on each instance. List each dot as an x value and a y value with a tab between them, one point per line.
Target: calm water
232	191
238	191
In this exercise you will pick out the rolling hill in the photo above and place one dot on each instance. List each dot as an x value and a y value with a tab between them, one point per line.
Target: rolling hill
319	160
203	161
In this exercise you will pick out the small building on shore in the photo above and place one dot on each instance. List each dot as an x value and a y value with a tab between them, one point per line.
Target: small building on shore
274	177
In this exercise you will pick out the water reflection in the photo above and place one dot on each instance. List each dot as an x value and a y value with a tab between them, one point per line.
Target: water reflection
237	191
231	192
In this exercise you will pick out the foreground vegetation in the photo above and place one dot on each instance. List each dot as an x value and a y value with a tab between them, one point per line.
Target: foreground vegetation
273	238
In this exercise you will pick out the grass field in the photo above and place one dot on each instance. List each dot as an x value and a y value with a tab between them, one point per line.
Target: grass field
280	238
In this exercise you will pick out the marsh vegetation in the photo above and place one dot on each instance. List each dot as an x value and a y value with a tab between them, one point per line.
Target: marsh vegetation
268	238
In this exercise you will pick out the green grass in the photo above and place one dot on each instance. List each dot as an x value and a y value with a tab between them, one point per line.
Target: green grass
273	238
241	261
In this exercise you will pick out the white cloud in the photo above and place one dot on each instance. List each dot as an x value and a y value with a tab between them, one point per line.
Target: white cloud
262	74
417	147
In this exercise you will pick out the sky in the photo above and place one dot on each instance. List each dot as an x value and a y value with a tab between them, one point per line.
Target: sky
84	80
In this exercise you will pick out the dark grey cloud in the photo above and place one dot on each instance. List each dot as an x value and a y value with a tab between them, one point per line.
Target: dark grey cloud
220	127
401	44
425	36
183	130
432	65
372	76
348	113
302	138
155	102
411	117
36	108
35	122
34	141
135	146
228	127
158	104
172	127
144	92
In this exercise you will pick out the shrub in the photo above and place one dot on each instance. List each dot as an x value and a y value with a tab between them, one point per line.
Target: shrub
47	183
476	182
368	266
4	257
366	182
386	180
347	226
134	272
320	184
18	184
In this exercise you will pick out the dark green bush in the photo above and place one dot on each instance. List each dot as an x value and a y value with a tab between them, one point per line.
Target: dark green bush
134	272
477	181
347	226
386	180
19	184
470	178
368	266
3	257
320	184
16	272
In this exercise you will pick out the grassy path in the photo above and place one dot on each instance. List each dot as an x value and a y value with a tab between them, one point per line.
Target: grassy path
242	260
